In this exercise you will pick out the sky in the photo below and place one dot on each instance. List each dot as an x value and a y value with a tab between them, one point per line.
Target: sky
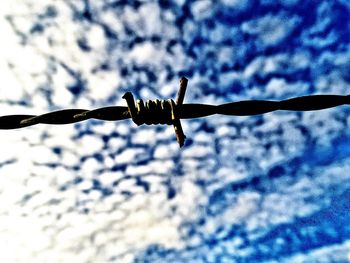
267	188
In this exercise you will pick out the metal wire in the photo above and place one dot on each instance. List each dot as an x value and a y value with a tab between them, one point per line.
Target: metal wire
169	112
153	112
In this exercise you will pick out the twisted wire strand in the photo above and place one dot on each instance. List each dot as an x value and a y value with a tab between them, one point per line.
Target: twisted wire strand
169	112
256	107
148	114
67	116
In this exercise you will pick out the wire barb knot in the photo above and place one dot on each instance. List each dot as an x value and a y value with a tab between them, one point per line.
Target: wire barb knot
151	112
158	111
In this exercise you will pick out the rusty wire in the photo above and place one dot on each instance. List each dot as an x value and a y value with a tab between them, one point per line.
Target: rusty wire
170	112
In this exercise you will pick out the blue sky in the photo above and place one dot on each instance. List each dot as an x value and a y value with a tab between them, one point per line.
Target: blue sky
267	188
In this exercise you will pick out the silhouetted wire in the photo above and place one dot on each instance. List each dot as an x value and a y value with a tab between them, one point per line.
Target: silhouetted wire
170	112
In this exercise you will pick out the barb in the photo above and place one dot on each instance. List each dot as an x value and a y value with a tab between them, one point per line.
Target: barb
170	112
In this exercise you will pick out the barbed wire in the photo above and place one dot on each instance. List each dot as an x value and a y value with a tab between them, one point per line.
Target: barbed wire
170	112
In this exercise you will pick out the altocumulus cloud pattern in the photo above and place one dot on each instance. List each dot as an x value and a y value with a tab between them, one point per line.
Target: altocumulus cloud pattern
266	188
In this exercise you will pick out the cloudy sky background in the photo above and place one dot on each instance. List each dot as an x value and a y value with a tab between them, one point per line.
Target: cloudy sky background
268	188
